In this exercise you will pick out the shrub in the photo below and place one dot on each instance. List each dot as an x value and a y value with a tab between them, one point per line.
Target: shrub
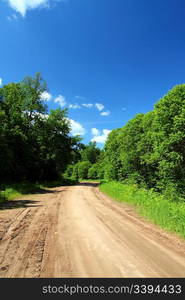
93	172
83	168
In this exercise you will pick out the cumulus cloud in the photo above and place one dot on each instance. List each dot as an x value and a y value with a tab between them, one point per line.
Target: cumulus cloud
105	113
101	138
74	106
21	6
99	106
1	81
60	100
76	128
88	105
95	131
46	96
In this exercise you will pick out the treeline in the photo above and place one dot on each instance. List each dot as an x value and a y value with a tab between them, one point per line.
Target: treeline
150	149
85	163
35	144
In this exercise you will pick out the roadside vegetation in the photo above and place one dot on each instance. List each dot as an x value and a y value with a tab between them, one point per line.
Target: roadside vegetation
154	206
35	143
14	190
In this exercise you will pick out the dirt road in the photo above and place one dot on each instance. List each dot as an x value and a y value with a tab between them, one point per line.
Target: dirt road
78	232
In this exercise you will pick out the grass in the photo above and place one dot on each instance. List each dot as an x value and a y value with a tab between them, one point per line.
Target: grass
90	180
14	190
155	207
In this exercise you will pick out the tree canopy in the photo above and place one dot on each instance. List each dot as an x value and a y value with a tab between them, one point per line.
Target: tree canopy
34	144
150	148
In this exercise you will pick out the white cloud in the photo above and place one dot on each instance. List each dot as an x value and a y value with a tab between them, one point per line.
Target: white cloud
21	6
95	131
46	96
74	106
76	128
105	113
99	106
60	100
1	81
88	105
101	138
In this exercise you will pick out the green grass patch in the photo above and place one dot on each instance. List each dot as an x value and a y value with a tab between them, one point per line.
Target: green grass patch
161	211
14	190
90	180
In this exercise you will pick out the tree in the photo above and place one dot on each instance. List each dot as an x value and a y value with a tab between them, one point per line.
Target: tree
93	171
83	169
35	145
69	172
169	139
150	148
90	153
111	158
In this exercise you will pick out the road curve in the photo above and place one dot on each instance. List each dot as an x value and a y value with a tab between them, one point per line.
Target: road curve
79	232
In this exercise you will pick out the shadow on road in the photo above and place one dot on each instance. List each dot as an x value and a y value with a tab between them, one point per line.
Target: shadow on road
42	191
19	204
86	183
22	203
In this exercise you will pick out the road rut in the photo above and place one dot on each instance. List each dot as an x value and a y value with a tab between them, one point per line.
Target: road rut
77	231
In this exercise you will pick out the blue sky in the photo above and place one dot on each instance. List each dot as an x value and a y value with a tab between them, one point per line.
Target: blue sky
105	60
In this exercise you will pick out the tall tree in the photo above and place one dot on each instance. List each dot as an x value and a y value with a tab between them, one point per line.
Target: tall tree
34	144
90	153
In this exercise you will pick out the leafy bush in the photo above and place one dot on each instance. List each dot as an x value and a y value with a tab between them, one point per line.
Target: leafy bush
93	172
69	171
83	169
75	172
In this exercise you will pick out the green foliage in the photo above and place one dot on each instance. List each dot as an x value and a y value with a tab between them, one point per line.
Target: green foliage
16	190
84	163
93	171
34	145
83	169
101	165
69	171
90	153
154	206
75	172
150	149
111	157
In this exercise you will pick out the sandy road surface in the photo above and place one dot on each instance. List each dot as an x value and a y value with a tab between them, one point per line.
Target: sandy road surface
78	232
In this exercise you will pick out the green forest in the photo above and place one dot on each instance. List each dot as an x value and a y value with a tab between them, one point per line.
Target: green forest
144	160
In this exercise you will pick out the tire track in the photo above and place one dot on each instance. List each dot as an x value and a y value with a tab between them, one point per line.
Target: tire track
77	231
